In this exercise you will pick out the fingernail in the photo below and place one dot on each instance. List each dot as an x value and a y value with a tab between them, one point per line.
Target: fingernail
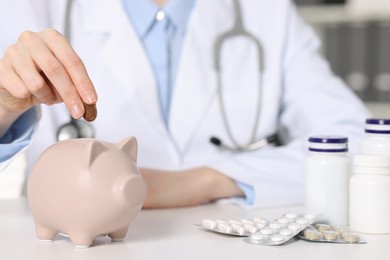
90	97
77	110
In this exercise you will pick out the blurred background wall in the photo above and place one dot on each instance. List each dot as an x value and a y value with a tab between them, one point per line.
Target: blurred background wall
356	41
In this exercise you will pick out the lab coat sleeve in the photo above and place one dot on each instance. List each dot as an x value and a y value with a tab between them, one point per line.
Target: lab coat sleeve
314	101
19	136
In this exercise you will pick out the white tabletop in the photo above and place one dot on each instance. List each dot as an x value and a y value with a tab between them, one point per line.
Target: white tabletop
172	234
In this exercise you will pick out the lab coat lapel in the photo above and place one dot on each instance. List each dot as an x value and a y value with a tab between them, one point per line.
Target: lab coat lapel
195	88
125	57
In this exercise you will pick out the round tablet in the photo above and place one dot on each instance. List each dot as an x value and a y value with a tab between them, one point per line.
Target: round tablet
312	235
260	221
330	235
277	238
266	231
310	216
291	215
260	225
283	221
258	236
294	226
322	227
351	237
286	232
302	221
275	225
340	228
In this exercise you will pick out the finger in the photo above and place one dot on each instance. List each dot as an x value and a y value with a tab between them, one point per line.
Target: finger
25	67
11	82
14	95
57	96
61	48
56	74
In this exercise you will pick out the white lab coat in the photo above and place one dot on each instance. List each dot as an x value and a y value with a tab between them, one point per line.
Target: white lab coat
300	95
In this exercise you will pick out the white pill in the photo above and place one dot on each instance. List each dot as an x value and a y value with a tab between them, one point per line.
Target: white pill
302	221
246	221
283	220
275	225
291	215
310	216
238	229
286	232
260	225
277	238
258	236
225	228
209	224
222	222
235	222
294	226
250	228
266	231
260	221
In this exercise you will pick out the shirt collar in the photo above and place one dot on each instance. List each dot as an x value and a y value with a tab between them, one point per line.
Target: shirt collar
142	13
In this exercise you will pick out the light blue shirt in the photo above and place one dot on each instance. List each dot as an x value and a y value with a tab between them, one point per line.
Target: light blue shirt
19	135
153	33
162	40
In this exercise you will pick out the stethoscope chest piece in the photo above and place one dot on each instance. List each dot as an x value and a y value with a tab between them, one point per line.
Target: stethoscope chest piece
75	129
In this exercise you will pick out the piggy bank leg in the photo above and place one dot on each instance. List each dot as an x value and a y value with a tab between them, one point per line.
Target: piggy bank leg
45	234
81	240
118	235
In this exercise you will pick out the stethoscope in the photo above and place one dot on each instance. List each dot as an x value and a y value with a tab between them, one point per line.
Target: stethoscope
239	30
74	128
79	129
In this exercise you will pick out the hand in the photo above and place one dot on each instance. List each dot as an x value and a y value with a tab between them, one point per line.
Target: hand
186	188
43	68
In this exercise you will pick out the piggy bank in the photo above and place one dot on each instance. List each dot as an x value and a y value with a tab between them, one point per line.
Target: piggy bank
85	188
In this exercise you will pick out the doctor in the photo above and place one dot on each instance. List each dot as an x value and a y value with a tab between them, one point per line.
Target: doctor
153	67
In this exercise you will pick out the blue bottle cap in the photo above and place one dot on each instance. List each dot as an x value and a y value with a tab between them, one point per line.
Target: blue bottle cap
331	144
377	126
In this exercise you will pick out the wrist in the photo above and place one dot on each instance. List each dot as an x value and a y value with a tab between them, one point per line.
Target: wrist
7	118
217	185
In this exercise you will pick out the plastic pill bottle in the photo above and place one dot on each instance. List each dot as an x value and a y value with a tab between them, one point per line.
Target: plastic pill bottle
377	140
370	194
327	174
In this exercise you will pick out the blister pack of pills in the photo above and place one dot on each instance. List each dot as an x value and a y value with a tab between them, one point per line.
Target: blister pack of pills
243	227
281	229
331	234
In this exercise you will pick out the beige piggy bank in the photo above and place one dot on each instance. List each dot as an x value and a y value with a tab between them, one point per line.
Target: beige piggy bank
85	188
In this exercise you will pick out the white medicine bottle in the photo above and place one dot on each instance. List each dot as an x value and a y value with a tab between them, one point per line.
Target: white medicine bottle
370	194
327	173
377	140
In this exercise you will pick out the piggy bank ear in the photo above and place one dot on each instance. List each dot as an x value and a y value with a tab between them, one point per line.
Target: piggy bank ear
130	147
92	151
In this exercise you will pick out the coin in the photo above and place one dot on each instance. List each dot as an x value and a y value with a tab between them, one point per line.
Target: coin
90	112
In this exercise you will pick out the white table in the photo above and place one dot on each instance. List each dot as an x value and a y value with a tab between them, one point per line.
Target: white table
171	234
